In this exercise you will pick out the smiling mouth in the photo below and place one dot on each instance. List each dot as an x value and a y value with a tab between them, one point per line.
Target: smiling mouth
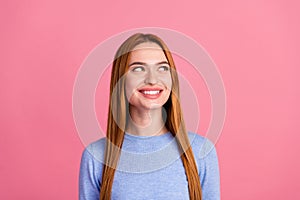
151	94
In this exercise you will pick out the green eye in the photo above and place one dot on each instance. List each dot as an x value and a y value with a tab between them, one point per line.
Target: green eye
138	69
163	68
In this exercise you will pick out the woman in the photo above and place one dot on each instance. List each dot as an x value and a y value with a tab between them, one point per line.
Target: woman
137	159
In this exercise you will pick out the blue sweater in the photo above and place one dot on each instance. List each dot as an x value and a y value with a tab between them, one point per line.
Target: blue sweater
150	167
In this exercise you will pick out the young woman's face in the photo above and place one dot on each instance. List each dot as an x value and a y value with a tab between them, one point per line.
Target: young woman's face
148	80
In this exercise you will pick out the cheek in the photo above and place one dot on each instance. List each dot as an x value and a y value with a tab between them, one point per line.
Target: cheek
168	83
130	85
128	90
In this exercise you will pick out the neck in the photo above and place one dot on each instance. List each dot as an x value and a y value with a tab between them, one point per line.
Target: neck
146	122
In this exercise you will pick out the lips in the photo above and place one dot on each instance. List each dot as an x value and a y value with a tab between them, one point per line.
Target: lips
151	93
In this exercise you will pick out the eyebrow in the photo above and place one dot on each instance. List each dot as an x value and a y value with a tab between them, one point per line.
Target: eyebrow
143	63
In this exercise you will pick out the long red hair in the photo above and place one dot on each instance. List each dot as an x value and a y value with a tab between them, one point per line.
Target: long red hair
117	120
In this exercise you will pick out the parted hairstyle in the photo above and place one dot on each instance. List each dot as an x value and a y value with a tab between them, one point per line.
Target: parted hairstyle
117	121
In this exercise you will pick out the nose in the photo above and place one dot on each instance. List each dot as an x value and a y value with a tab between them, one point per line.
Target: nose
151	78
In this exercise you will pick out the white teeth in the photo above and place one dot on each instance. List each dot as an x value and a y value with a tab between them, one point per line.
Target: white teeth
151	92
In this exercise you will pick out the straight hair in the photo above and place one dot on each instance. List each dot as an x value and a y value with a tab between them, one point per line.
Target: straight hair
117	121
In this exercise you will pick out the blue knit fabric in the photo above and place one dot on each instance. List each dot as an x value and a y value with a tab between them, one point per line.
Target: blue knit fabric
150	167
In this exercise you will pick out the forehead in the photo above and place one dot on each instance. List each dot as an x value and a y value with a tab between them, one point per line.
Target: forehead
148	52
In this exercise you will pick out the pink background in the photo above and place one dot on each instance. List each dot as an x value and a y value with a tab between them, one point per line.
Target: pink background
255	45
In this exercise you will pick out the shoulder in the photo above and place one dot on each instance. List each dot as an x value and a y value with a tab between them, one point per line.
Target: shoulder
91	167
206	159
201	145
208	165
95	150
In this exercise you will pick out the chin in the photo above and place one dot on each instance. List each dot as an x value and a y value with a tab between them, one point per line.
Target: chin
154	106
148	105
